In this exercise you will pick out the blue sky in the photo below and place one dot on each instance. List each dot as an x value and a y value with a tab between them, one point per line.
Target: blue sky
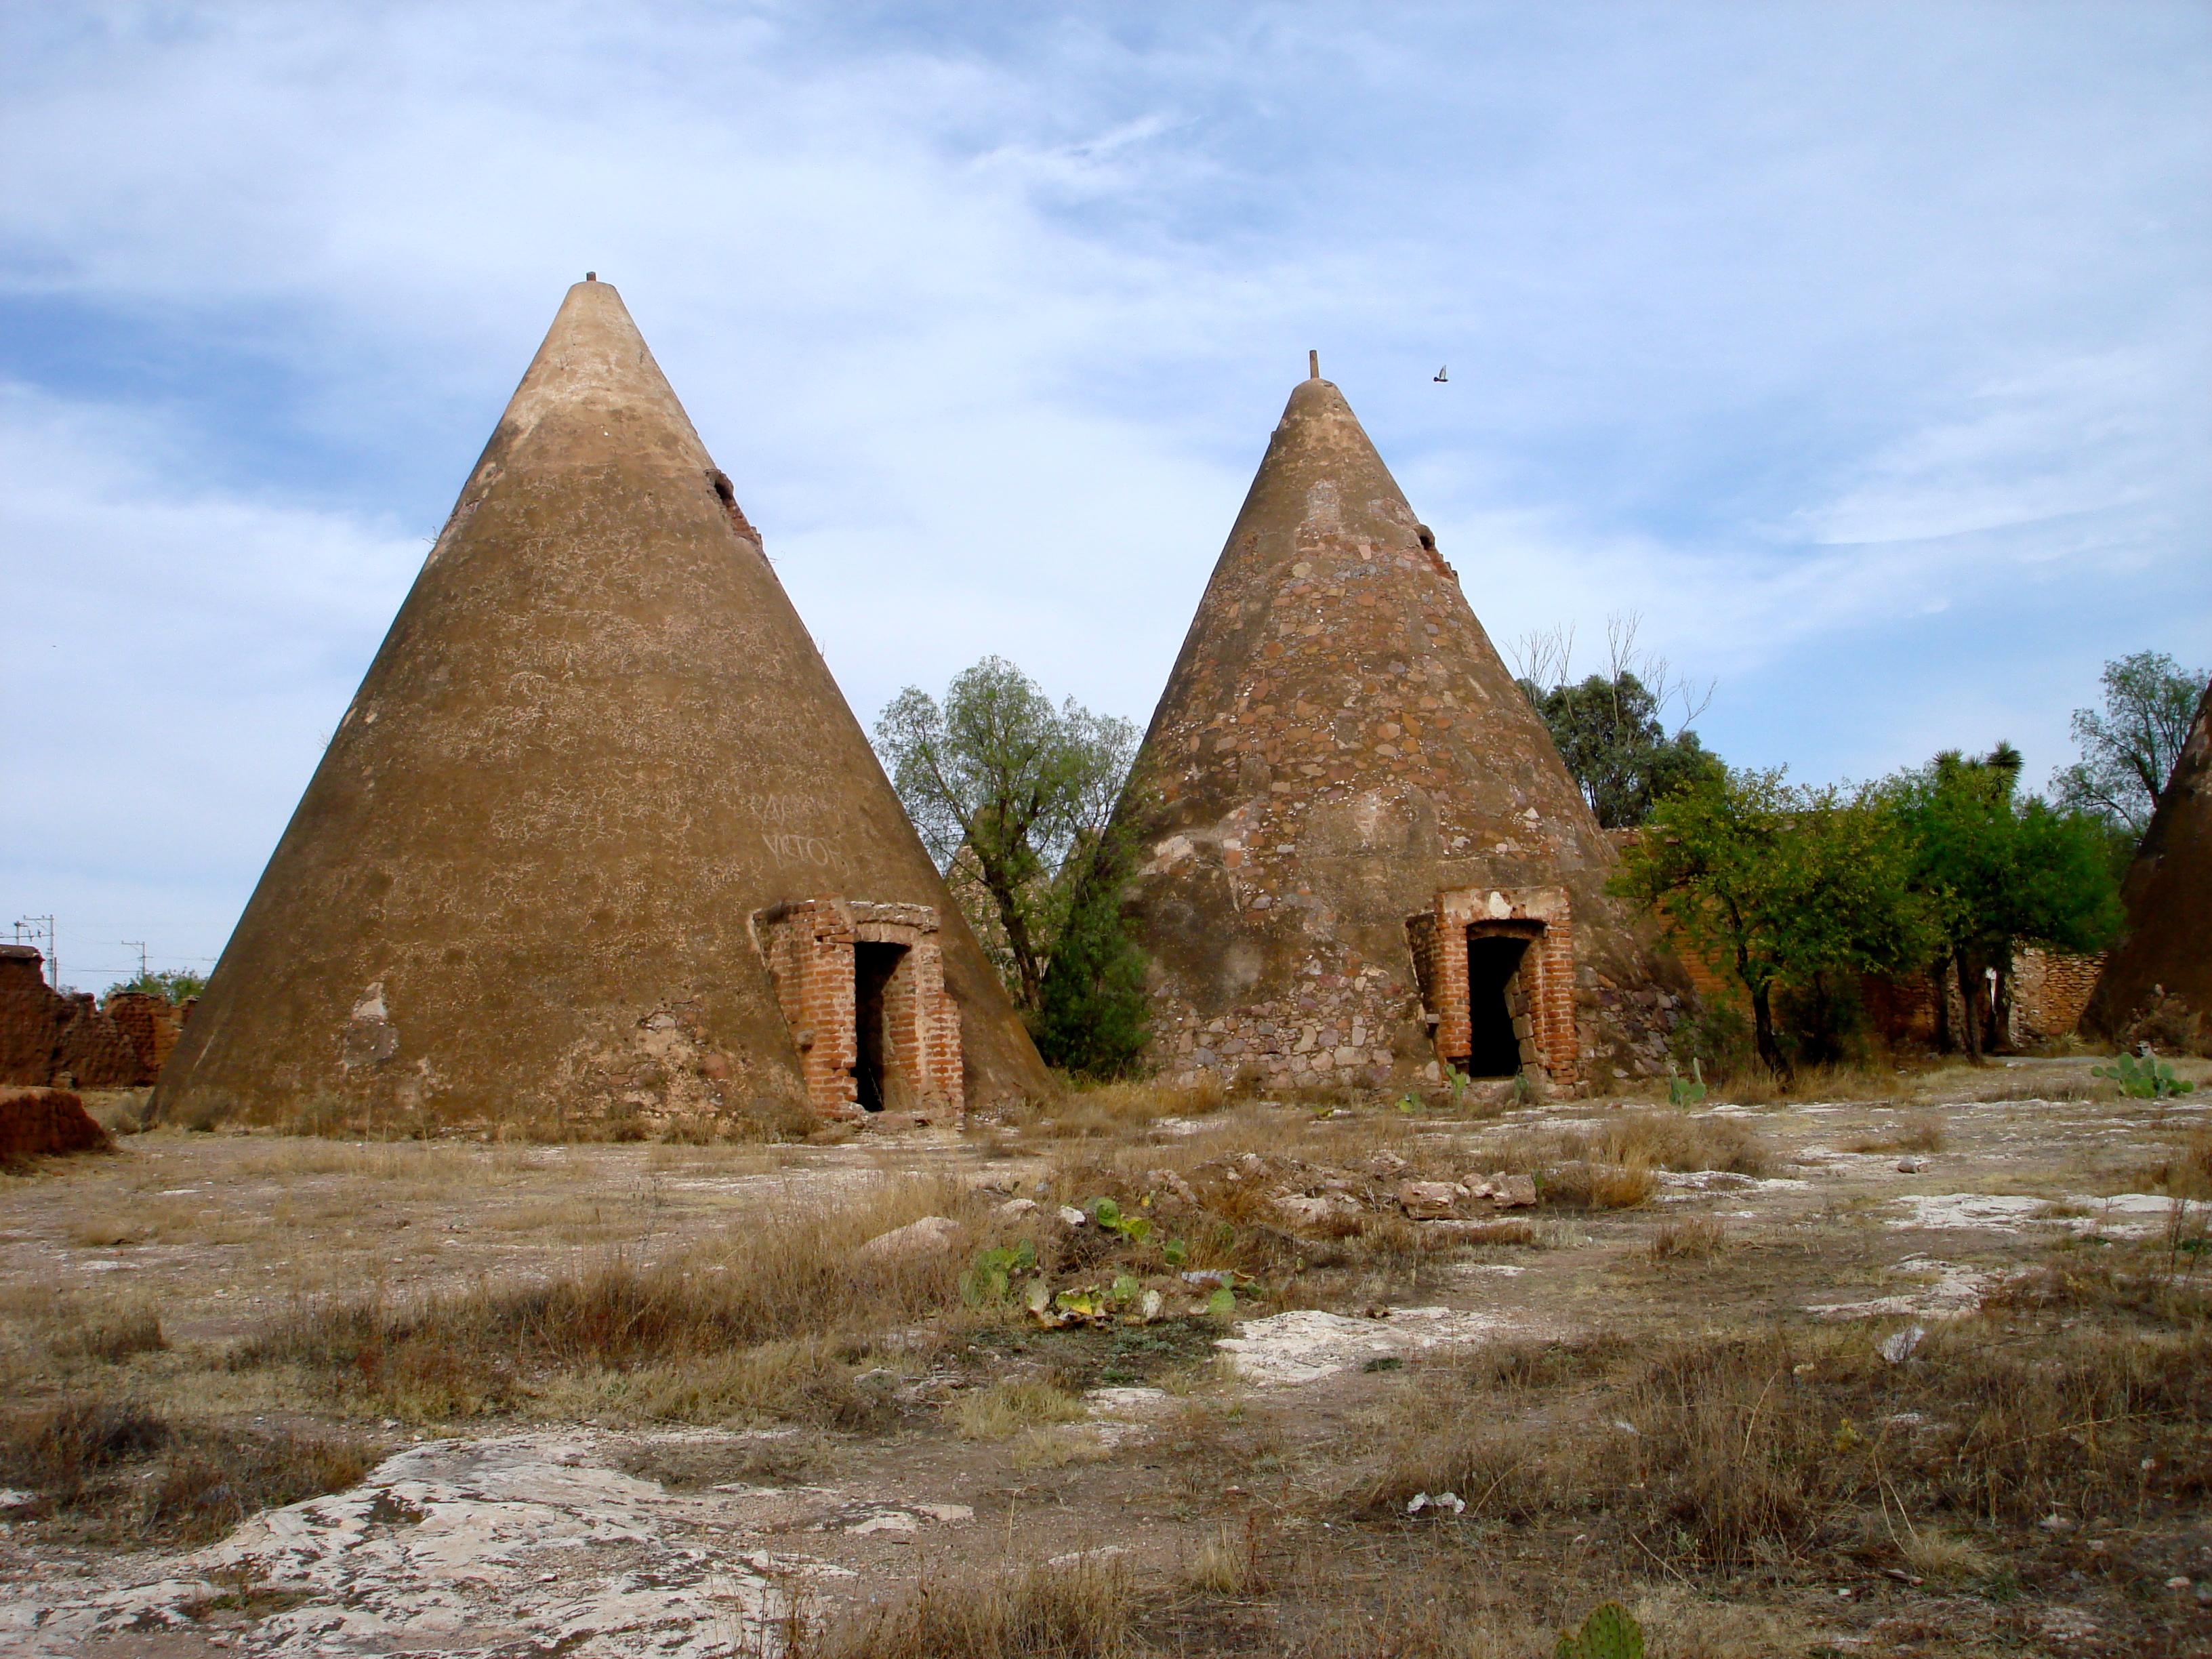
1865	352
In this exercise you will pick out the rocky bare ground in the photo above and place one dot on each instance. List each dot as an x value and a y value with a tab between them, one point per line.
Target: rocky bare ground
1875	1222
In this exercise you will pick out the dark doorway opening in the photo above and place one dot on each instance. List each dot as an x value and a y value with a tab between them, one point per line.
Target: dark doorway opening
874	965
1493	959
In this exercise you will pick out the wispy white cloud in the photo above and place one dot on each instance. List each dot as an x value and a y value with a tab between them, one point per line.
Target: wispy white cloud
1863	350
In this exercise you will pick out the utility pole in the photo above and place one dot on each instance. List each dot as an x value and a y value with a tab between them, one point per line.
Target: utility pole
43	927
141	945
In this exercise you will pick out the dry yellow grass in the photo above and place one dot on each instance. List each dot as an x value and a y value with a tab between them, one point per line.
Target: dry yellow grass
1059	1448
1086	1608
715	1314
1801	1444
1110	1111
1011	1406
1227	1562
110	1471
1916	1131
1697	1238
2185	1171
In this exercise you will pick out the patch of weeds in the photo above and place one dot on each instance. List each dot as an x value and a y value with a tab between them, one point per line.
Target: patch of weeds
1125	1355
1724	1454
1919	1132
1087	1608
2185	1171
114	1471
113	1335
242	1593
761	1322
1059	1448
1698	1238
1010	1405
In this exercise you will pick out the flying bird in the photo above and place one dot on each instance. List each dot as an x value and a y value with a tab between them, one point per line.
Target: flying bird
1440	377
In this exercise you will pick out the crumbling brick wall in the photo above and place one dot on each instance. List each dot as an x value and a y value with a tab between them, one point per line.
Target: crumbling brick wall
49	1037
808	945
2050	989
26	1021
150	1025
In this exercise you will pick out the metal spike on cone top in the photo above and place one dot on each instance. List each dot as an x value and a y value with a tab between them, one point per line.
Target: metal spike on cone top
595	776
2167	947
1360	856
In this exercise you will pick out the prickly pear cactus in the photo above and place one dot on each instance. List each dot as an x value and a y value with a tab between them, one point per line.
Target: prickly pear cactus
1608	1632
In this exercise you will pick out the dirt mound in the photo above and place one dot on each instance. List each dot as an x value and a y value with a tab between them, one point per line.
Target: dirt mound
35	1122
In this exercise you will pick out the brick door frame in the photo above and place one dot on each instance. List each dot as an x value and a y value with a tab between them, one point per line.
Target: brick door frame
1543	985
808	946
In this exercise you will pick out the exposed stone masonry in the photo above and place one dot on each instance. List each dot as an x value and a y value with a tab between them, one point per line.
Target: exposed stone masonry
1338	745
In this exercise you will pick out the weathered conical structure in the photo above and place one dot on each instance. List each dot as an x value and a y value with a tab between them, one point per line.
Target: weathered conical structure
2167	948
1360	854
599	836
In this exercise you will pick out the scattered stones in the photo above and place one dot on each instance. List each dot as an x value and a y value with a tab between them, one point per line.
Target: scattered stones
1956	1292
1169	1181
1513	1191
1072	1217
1431	1200
1898	1345
932	1235
1015	1209
2067	1623
863	1519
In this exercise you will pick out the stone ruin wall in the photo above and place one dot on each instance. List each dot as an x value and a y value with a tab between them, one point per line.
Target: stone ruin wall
2050	990
1370	1028
51	1038
1338	1030
1352	1021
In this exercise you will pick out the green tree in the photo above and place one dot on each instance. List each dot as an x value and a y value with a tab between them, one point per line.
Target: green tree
1092	1018
1609	733
1607	727
179	985
1014	797
1784	885
2128	751
1998	873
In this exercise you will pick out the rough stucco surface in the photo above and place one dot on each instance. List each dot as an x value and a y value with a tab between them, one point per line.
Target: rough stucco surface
1339	744
2168	897
597	739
